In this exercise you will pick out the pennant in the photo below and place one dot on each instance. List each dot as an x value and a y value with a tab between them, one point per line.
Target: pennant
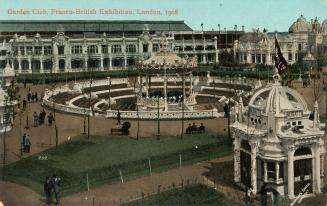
280	61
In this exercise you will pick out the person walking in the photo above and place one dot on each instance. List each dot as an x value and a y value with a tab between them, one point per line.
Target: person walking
29	95
47	190
27	144
56	181
36	119
24	104
50	119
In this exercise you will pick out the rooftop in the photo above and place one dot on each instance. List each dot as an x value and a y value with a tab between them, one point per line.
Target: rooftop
90	26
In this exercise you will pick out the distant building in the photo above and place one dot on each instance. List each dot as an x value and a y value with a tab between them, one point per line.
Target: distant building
259	47
69	46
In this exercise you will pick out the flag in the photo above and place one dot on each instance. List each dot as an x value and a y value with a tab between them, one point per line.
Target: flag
280	61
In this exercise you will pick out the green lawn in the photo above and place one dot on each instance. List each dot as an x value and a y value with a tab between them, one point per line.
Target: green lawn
190	195
104	158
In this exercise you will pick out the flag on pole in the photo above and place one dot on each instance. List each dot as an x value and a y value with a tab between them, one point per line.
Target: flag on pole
280	61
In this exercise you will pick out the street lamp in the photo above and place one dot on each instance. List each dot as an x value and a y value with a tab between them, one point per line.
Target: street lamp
109	83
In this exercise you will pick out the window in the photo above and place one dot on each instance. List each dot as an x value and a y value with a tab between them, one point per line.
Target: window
61	50
281	170
271	171
145	47
47	50
38	50
29	50
22	50
300	47
104	49
116	48
131	48
155	47
92	49
245	57
290	56
253	58
263	59
299	122
293	123
77	49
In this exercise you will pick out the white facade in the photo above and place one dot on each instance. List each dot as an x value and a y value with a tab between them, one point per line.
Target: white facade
276	145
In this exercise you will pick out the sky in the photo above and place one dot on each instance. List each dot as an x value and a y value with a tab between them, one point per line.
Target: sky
274	15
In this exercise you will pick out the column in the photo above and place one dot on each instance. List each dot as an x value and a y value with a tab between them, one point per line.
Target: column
68	66
277	171
165	87
316	170
55	58
204	58
237	171
147	85
265	168
29	65
41	65
19	65
125	61
290	171
101	63
191	83
254	167
110	62
85	64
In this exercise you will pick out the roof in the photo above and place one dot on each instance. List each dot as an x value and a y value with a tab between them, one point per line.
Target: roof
89	26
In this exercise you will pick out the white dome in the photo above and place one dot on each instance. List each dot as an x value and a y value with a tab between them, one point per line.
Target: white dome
324	27
288	100
301	25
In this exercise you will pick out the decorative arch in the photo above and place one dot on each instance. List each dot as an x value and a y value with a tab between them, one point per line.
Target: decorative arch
245	145
302	151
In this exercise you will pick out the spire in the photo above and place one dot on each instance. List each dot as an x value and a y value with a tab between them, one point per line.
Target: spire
316	116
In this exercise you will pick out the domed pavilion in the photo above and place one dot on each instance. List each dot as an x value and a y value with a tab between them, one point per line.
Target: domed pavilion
166	81
278	143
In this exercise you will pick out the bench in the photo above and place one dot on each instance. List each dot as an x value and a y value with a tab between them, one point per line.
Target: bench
117	131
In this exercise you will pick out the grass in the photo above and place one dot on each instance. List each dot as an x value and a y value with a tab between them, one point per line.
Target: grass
190	195
104	158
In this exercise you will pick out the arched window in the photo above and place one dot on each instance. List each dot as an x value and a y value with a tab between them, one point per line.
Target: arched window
302	151
92	49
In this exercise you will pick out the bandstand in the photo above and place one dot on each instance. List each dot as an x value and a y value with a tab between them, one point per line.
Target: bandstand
166	81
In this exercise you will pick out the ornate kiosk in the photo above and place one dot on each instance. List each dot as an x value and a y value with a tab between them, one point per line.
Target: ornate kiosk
278	143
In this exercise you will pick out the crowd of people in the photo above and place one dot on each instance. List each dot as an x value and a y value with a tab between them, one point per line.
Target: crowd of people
39	119
52	187
191	129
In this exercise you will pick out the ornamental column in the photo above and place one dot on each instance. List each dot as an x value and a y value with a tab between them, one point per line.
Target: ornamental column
101	63
265	170
290	171
277	171
237	168
29	65
125	61
316	170
41	65
85	64
191	83
19	65
55	58
254	167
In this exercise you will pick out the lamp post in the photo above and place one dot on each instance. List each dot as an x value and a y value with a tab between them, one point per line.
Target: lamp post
109	84
219	36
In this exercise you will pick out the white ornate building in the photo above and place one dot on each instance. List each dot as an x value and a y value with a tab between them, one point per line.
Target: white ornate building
303	36
276	145
68	46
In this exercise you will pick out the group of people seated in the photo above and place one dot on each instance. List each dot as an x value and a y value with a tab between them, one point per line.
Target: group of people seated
191	129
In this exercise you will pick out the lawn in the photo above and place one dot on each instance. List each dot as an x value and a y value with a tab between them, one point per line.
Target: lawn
190	195
104	159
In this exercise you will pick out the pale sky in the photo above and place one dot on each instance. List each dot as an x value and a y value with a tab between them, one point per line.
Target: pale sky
270	14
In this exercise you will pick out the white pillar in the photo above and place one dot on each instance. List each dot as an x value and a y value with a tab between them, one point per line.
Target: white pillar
19	65
125	61
101	62
316	170
254	167
237	172
85	63
110	61
41	65
191	83
55	58
29	65
165	88
290	171
277	171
